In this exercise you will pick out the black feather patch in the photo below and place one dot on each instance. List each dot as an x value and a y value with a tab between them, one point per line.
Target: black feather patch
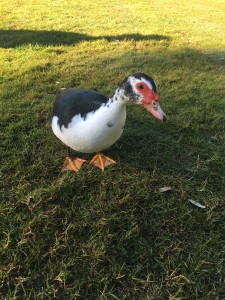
72	102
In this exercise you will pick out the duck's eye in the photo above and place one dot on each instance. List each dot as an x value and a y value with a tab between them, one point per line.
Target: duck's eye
141	87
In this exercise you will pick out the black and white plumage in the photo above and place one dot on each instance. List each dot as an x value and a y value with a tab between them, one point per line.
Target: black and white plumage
88	121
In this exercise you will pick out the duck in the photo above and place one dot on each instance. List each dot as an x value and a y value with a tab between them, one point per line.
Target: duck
90	122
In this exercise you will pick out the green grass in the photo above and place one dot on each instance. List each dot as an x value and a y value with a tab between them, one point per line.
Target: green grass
113	234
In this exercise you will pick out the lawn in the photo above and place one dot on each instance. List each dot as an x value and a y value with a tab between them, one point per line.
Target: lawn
113	234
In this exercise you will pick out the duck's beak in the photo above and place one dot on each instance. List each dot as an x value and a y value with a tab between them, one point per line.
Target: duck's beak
154	107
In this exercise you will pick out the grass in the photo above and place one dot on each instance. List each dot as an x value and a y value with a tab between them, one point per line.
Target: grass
113	234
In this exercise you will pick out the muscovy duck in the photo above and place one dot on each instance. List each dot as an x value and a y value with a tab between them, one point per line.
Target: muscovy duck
88	121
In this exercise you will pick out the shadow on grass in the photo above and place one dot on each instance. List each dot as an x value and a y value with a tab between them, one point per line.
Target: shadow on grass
14	38
147	144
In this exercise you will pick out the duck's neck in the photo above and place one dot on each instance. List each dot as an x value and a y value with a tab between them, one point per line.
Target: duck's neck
116	105
119	97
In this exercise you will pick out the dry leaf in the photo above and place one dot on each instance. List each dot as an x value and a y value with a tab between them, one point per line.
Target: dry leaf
165	189
214	138
197	204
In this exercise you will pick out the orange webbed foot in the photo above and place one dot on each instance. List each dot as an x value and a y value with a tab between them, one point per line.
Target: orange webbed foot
101	161
73	164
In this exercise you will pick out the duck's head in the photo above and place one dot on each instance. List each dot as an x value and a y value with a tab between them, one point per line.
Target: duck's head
141	89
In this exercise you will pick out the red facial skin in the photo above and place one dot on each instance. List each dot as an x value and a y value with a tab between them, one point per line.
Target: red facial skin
147	93
150	100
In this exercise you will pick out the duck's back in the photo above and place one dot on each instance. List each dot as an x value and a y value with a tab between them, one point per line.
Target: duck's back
72	102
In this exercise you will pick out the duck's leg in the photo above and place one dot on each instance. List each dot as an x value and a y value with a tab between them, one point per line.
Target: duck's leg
101	161
72	164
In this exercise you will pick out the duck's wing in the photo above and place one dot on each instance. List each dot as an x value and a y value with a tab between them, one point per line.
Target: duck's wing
72	102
